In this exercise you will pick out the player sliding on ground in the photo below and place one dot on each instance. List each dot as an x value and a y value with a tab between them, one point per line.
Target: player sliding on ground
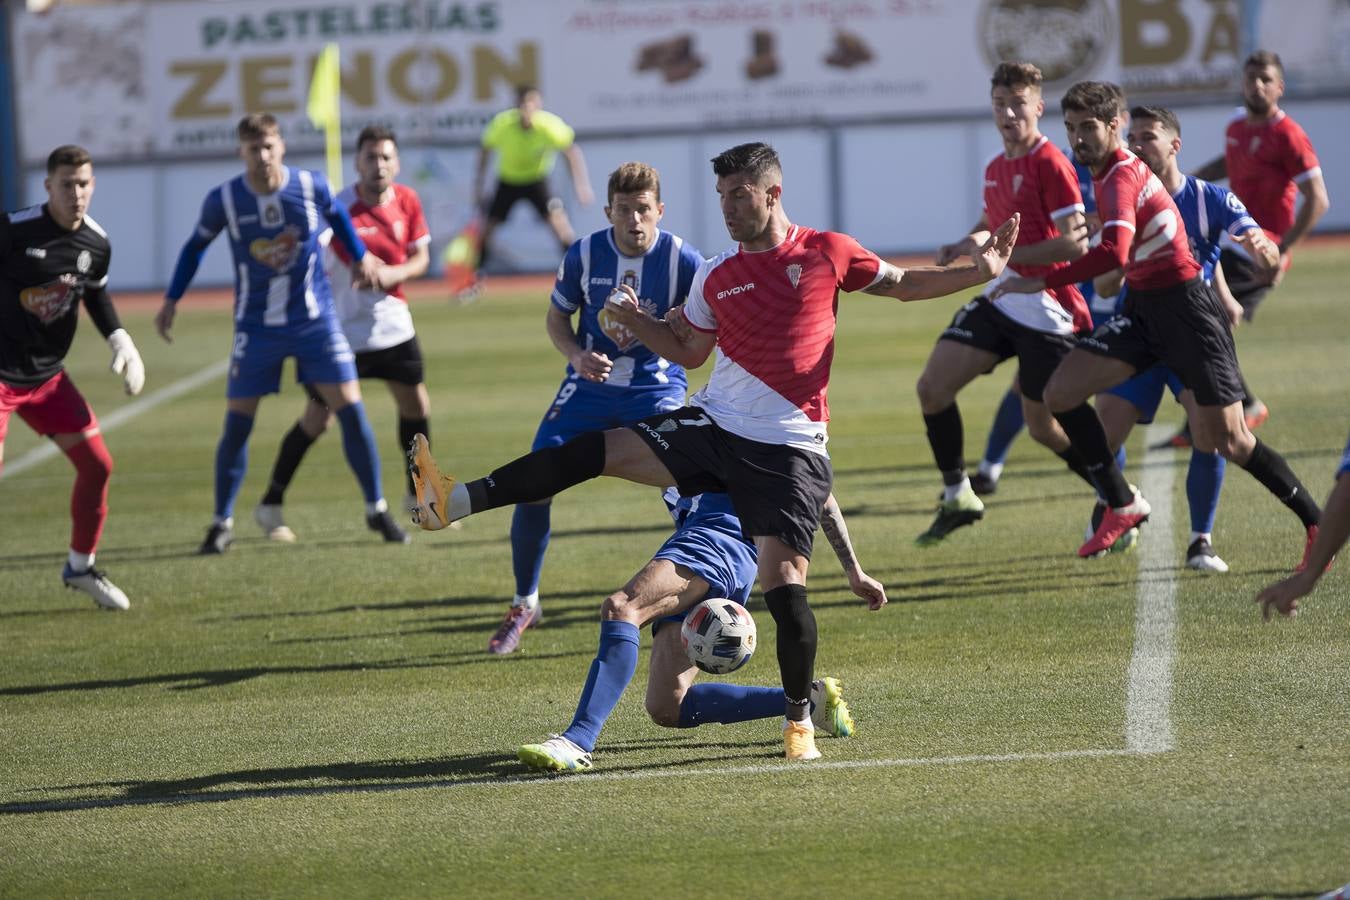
707	556
757	431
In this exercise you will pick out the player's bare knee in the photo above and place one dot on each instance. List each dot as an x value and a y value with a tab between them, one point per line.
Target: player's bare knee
664	712
933	397
618	607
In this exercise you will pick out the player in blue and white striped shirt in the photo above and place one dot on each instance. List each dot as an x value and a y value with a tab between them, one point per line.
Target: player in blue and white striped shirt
611	379
274	216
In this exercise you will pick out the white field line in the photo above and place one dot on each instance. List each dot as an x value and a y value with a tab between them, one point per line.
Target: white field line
122	415
779	767
1148	697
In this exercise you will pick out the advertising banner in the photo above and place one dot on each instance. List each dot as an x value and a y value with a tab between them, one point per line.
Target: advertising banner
171	79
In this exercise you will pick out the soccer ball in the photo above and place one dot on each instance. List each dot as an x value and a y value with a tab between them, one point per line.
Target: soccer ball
719	635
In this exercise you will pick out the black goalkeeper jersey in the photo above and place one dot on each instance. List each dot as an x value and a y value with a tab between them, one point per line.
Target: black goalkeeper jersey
45	272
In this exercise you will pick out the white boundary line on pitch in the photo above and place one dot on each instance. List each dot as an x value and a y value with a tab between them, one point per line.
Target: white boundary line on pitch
122	415
779	767
1148	695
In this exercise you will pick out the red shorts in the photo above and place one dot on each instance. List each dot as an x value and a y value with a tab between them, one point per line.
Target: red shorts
54	407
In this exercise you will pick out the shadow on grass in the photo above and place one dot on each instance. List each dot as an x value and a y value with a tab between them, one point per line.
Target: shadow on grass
1259	895
207	678
379	776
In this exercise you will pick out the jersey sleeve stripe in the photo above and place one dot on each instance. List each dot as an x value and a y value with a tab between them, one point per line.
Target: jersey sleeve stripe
673	278
1315	171
88	220
1064	211
562	302
1119	222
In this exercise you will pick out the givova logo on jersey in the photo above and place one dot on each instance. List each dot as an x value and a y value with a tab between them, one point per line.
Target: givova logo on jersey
50	301
279	252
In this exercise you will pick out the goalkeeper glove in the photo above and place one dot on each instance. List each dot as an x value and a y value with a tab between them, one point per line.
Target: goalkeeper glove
126	361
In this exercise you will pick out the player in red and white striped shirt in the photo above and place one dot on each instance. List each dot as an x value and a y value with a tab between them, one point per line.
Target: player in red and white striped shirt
758	431
1171	315
1031	177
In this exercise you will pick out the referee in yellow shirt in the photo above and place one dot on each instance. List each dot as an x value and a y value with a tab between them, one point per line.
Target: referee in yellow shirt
528	139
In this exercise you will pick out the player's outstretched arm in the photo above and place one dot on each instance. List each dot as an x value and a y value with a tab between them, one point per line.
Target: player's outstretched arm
1332	531
1071	243
975	238
928	282
836	531
656	334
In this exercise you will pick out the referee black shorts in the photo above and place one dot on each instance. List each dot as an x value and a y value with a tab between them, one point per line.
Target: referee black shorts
537	193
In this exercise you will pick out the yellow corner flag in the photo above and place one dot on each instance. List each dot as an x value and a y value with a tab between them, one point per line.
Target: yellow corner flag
325	109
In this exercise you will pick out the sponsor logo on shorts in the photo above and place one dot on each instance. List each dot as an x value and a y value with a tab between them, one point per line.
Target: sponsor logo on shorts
738	289
656	438
668	425
959	332
1093	342
36	252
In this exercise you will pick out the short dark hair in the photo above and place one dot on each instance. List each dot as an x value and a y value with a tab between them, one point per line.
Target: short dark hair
523	90
1160	114
68	155
1103	100
1016	74
375	133
1265	58
256	125
755	159
634	178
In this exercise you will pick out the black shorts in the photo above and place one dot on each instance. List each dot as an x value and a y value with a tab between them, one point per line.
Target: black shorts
1245	282
401	363
1184	327
537	193
777	491
979	324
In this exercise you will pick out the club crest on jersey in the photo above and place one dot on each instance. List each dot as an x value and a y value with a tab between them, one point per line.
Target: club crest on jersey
51	300
83	261
278	253
794	274
1256	142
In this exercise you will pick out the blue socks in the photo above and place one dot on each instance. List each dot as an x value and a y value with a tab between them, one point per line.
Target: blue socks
1007	424
1204	480
529	541
705	704
614	665
231	461
358	443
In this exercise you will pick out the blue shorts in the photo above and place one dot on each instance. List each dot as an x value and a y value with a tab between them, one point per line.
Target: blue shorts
1145	390
1345	461
581	406
711	546
322	356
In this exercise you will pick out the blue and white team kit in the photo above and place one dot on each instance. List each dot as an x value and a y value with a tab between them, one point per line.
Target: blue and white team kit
708	541
1208	213
283	305
641	382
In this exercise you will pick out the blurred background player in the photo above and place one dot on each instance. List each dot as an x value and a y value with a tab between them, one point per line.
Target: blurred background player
283	307
526	140
1172	315
707	556
376	320
1268	161
1282	596
1210	213
758	431
1031	177
612	379
52	258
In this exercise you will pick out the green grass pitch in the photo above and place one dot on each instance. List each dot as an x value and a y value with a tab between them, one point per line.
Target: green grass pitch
322	720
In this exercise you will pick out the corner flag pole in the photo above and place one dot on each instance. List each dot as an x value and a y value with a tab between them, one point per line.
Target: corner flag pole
325	109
